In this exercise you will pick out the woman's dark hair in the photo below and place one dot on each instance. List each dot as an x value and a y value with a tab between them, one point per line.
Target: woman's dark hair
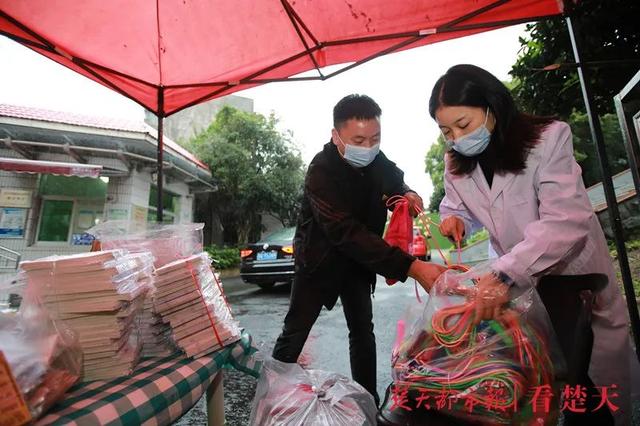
515	133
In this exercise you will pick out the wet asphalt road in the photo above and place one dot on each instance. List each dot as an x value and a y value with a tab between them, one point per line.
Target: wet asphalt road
262	313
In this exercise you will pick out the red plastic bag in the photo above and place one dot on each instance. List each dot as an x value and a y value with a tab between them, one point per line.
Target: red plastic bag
400	230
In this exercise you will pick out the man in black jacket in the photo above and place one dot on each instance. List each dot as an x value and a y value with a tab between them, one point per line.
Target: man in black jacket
338	244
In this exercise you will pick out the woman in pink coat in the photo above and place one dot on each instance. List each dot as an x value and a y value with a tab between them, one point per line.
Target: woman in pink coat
515	175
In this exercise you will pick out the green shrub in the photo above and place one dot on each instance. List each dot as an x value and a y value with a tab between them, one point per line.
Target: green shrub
224	257
630	245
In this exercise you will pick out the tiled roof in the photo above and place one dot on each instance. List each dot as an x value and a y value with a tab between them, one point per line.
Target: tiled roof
41	114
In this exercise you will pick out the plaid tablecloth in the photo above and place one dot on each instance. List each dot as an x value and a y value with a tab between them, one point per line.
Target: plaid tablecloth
158	392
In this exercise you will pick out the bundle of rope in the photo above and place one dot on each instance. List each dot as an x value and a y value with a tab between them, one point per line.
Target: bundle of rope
487	370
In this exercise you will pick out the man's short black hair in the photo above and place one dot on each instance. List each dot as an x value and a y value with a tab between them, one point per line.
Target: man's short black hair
360	107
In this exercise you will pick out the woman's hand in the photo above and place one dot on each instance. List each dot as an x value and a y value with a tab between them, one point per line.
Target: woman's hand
452	227
425	273
491	295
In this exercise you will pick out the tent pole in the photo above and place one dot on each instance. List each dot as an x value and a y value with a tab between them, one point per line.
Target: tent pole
607	183
160	161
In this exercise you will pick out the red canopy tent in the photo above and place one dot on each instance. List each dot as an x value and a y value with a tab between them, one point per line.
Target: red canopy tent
171	54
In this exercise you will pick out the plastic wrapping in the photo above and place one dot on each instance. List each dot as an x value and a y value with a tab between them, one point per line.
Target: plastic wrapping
44	356
99	295
167	243
288	395
191	299
155	334
495	371
101	281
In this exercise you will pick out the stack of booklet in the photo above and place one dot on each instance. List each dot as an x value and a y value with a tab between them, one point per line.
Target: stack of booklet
155	334
100	296
190	298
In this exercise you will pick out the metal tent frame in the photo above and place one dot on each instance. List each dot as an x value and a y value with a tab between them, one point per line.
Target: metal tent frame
219	88
574	30
313	45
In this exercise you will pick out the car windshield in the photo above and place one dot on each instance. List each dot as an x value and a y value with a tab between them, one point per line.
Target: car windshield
285	234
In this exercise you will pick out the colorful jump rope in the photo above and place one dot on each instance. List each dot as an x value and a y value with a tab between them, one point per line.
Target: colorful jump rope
496	363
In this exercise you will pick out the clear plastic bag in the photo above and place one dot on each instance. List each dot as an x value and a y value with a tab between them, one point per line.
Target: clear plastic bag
100	296
288	395
496	371
154	333
166	242
61	282
191	299
44	355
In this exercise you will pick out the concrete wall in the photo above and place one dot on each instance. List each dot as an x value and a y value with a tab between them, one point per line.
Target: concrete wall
130	194
28	182
187	123
125	192
630	215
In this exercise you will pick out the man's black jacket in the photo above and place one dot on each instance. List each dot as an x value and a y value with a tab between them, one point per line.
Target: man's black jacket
338	238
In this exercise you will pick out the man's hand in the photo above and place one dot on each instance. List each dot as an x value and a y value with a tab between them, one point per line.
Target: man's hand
492	294
425	273
452	227
415	203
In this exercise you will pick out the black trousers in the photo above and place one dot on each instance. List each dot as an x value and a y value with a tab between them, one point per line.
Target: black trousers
305	306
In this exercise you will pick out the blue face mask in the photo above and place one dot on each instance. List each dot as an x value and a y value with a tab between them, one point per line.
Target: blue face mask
473	143
359	156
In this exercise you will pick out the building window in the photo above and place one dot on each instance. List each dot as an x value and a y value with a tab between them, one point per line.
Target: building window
72	186
170	204
70	206
55	220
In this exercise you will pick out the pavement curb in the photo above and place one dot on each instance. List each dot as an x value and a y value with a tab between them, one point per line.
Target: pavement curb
229	273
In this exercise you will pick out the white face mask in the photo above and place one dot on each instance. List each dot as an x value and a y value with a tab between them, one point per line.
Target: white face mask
473	143
359	156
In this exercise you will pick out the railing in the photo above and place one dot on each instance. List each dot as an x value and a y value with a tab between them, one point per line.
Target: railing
9	259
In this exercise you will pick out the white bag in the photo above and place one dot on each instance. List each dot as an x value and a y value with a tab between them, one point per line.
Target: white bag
288	395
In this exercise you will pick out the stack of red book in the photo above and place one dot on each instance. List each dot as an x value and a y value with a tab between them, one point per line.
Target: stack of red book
155	334
190	298
100	296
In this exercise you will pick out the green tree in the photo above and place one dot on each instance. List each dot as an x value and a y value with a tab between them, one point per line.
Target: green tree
257	169
584	149
434	165
609	32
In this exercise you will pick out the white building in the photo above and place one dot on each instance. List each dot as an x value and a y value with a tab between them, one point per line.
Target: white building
46	204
